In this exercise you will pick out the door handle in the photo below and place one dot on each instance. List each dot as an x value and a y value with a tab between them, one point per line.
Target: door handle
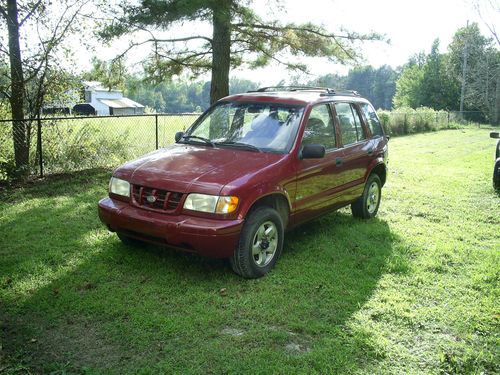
338	161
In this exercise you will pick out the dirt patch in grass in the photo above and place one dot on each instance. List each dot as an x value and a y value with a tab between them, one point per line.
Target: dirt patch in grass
52	346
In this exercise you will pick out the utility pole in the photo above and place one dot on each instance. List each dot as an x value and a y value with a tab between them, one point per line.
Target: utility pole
464	69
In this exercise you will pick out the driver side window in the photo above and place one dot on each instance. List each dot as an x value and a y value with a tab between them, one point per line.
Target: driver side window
319	128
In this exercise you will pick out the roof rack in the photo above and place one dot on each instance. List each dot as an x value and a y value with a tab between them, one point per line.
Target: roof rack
332	92
325	91
289	88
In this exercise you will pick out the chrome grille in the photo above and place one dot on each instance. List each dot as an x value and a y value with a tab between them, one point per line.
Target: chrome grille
156	199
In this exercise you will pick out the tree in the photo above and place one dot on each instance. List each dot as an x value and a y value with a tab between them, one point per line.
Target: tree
376	84
426	81
409	87
112	74
482	70
17	83
439	88
34	48
239	37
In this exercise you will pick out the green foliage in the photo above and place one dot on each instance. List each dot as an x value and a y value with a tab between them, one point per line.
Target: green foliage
112	74
84	146
426	81
482	76
407	120
435	80
179	96
253	42
76	144
376	84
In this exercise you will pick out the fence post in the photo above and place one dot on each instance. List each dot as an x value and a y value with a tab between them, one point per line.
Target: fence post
39	144
156	129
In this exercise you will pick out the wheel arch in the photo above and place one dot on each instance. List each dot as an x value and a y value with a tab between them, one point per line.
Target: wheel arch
276	200
381	170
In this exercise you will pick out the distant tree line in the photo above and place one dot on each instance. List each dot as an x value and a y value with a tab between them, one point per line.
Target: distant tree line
376	84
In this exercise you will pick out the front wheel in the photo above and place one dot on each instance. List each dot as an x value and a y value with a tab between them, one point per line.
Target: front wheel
260	245
366	206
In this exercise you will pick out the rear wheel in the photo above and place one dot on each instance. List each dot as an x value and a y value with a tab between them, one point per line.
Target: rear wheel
366	206
260	245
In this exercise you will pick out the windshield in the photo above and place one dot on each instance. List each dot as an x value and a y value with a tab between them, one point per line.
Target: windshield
255	126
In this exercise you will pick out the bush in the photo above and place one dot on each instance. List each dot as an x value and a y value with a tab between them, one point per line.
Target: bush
85	146
67	147
410	121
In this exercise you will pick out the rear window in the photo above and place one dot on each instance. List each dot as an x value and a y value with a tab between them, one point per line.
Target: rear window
372	119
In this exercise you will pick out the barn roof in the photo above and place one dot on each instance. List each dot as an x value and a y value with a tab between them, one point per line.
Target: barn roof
121	103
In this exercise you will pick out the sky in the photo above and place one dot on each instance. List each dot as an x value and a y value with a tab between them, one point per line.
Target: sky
410	26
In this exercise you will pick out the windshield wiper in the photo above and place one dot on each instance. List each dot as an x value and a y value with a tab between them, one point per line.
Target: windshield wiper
206	140
245	146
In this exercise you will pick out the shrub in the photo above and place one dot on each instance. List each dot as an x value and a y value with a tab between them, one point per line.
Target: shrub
406	120
85	146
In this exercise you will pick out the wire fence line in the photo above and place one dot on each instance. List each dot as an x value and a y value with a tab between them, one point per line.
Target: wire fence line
67	144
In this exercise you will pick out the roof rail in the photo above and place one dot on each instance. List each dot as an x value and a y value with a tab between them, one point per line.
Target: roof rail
289	88
325	91
332	92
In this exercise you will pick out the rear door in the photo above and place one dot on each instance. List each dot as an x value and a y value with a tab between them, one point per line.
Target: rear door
378	140
357	150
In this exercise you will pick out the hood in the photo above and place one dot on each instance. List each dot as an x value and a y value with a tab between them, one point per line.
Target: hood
190	168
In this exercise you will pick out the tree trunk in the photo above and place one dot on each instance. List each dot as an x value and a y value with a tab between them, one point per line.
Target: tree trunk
21	150
221	45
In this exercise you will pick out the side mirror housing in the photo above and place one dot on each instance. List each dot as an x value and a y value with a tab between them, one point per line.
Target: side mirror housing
178	136
495	135
313	151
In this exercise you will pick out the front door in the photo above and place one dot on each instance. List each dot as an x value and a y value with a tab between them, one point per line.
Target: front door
318	179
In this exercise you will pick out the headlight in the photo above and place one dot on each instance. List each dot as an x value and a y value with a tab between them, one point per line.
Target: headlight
211	203
119	187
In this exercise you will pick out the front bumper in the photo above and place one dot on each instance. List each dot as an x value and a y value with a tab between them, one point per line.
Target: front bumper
208	237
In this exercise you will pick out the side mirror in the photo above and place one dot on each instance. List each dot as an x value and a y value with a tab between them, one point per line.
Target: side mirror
178	136
495	135
387	137
313	151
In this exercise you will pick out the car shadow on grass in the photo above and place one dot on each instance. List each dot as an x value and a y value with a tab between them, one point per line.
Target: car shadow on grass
78	299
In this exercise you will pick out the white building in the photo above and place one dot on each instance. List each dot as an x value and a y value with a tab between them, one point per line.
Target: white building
109	102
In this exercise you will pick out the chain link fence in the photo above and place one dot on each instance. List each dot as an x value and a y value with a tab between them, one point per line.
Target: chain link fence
65	144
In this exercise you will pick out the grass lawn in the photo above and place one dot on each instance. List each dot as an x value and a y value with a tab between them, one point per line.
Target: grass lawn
413	291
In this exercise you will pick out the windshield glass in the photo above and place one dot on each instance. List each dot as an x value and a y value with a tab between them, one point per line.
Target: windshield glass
260	126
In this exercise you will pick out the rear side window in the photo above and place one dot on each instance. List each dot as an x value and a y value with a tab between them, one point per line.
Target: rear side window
350	124
372	119
319	128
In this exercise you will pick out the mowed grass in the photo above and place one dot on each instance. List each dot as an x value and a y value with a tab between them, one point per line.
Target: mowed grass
412	291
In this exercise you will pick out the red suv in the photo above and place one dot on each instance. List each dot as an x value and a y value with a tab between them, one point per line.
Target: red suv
252	166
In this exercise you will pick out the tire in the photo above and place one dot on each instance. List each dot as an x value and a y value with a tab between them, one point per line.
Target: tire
366	206
260	244
496	176
129	241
